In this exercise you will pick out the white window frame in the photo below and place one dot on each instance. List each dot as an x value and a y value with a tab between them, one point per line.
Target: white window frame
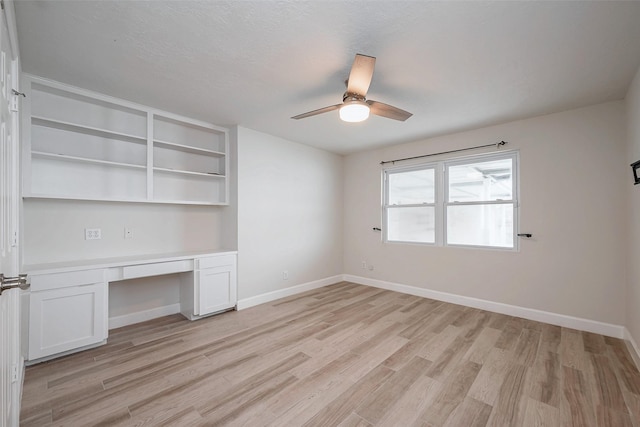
442	196
385	210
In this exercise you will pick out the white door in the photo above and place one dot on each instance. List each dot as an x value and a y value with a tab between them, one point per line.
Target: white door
11	362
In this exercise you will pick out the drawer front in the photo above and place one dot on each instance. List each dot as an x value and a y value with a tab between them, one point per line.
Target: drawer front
216	261
156	269
43	282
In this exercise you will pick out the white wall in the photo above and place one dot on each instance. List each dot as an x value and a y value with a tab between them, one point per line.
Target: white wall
54	229
574	180
289	213
633	211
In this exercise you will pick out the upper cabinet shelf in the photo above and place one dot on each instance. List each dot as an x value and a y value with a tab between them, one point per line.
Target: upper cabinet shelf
71	127
88	146
188	149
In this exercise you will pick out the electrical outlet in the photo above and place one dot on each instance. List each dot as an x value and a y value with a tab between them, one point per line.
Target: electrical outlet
364	265
128	233
285	275
92	234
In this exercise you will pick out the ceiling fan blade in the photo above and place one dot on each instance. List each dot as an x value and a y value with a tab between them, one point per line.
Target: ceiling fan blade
388	111
361	74
316	112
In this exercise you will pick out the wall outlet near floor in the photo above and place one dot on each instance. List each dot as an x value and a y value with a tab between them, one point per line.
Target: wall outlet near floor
364	265
92	234
128	233
285	275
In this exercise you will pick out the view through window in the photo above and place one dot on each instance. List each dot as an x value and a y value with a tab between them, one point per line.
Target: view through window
473	205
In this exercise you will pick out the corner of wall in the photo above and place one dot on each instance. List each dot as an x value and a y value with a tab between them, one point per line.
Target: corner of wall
632	299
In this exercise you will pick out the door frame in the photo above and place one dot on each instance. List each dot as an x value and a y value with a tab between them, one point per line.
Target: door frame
13	369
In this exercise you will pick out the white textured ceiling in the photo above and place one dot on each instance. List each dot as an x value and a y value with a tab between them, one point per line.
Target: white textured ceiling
454	65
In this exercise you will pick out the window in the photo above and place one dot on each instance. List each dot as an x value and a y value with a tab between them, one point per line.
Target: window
411	205
474	205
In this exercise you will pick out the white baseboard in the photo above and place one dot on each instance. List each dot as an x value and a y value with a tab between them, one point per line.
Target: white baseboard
608	329
633	347
282	293
143	316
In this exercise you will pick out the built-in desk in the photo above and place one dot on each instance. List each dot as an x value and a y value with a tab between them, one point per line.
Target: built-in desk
66	308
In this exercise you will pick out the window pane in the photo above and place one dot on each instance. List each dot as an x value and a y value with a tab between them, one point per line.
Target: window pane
415	224
412	187
480	225
481	181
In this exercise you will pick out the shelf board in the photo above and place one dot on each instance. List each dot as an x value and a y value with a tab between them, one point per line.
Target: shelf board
123	200
72	127
65	157
188	148
183	172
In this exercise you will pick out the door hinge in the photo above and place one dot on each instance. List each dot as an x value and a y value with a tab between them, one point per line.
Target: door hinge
14	373
14	100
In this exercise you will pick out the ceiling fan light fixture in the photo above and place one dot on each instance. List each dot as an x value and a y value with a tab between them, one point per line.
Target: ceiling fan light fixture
354	111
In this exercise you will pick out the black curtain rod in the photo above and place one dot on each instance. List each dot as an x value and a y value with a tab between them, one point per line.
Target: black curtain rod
498	145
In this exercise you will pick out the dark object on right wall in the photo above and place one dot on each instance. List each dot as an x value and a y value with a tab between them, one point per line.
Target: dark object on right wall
635	166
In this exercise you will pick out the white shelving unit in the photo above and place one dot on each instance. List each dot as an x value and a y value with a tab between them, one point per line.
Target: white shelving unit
86	146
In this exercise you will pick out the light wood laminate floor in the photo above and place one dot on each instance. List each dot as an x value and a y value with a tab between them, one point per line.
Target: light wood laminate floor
343	355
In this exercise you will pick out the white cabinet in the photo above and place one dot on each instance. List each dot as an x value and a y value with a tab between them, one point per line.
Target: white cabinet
212	288
84	145
67	318
67	305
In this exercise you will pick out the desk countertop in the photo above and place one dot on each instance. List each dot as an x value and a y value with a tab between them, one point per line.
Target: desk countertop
60	267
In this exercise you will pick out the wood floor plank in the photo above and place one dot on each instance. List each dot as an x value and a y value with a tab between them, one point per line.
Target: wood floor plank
377	403
481	347
307	386
633	404
579	408
412	403
470	413
609	417
340	408
572	352
510	334
544	380
608	389
509	409
486	387
354	420
452	394
550	338
538	414
593	343
342	355
526	347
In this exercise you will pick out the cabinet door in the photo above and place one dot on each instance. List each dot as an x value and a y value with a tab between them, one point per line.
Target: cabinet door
215	290
66	319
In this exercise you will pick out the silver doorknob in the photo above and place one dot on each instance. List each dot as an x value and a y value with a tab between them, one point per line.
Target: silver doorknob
7	283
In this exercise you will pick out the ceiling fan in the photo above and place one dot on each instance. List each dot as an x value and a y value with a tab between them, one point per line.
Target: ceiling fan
355	107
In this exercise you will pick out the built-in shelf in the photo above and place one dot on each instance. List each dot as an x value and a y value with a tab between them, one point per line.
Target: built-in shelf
188	149
178	171
125	200
67	158
84	145
72	127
